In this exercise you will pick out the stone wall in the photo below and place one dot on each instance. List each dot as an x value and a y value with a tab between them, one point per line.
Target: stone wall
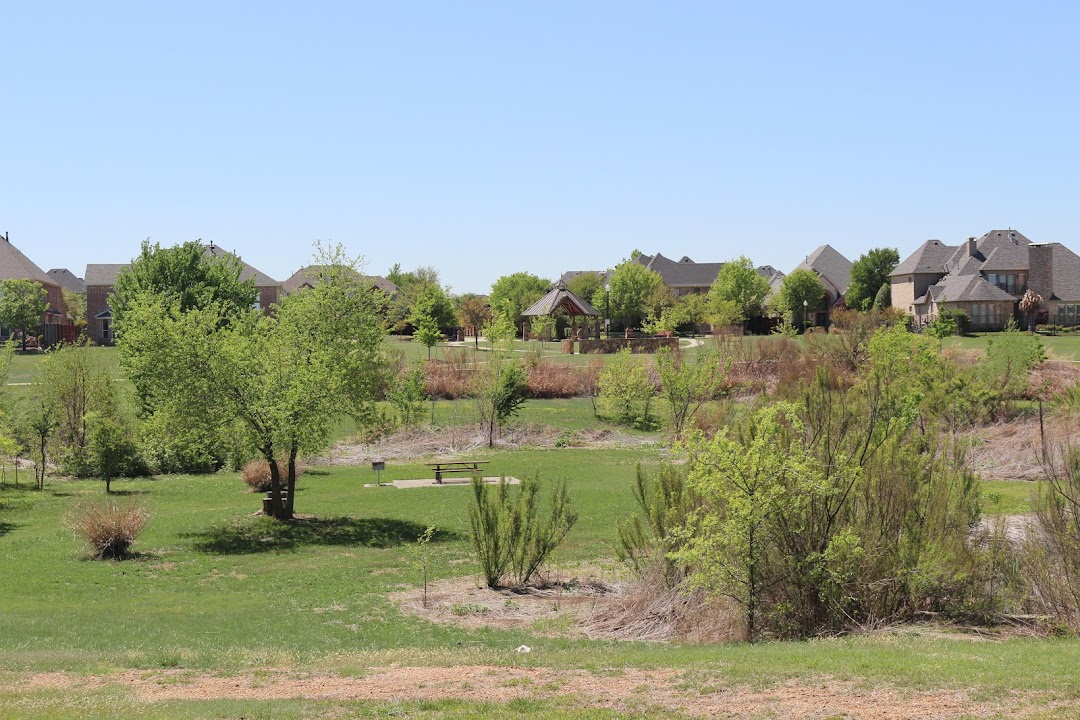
637	345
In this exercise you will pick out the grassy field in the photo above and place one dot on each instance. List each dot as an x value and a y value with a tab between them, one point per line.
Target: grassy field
216	591
1058	347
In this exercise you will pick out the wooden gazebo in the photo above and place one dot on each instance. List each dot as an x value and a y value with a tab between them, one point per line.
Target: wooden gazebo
560	298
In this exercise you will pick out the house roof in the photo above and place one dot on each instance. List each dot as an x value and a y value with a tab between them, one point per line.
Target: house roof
684	273
930	257
831	266
16	266
1064	274
306	276
98	275
67	280
560	297
569	275
246	271
965	288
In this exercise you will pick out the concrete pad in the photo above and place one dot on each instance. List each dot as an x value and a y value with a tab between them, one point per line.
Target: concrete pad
447	482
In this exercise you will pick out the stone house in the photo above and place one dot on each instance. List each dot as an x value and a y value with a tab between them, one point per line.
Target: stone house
834	270
986	277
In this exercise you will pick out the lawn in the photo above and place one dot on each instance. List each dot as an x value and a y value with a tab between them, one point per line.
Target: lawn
1058	347
217	591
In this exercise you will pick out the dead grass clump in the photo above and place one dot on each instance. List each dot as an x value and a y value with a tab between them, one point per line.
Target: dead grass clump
449	378
1053	379
108	527
650	610
257	473
549	379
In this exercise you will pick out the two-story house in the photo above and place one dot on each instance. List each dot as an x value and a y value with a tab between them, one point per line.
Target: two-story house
55	324
986	277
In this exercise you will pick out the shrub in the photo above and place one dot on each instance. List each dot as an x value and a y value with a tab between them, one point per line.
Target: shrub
960	317
626	391
510	537
108	527
257	473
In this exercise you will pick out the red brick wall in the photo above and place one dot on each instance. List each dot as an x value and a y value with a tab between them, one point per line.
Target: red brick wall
268	295
97	300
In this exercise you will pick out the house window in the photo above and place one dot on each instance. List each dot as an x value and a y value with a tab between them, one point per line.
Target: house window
258	302
106	329
1012	283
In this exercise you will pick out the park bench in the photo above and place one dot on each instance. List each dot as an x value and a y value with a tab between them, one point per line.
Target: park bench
456	466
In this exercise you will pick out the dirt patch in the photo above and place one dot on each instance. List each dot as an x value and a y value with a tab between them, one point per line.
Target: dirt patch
449	442
559	608
623	690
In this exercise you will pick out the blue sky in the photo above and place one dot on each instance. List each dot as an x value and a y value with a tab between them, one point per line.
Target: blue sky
488	138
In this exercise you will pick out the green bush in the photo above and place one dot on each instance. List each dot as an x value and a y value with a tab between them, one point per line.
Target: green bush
510	537
960	317
627	391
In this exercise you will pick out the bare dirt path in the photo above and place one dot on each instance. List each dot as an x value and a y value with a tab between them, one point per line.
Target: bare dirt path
627	690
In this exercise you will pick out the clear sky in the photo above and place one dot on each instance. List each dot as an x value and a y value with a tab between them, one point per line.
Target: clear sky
488	138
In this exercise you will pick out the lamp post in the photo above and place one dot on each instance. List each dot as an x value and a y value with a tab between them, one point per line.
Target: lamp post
607	309
805	305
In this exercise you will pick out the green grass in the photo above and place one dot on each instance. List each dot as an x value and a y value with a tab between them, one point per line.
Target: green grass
1058	347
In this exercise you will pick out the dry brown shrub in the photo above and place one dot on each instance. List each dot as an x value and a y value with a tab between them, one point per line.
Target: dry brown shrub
1052	379
257	473
550	379
108	527
650	610
451	377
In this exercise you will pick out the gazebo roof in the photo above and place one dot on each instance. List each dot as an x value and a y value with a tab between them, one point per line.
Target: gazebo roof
561	297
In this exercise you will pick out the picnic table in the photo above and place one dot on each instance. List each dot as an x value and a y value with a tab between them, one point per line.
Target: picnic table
455	466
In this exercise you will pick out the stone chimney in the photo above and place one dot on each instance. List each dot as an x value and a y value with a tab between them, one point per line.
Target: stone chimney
971	247
1041	269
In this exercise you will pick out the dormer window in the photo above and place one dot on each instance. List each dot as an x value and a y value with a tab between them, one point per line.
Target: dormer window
1012	283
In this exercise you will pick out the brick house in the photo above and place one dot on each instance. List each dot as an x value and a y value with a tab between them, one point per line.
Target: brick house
834	270
305	277
55	324
986	277
101	278
686	276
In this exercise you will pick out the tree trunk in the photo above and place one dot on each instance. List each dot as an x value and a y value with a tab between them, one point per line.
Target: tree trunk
291	480
108	485
277	509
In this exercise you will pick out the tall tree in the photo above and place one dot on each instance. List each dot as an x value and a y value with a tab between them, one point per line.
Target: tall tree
188	277
738	283
586	285
632	284
801	286
473	313
868	274
22	305
412	286
75	304
287	378
513	294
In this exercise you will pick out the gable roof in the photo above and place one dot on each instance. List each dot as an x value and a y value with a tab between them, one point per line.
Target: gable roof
246	271
99	275
831	266
967	288
1064	273
566	277
16	266
305	276
560	296
67	280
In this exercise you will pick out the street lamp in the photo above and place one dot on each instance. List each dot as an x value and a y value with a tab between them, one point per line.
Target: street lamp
804	318
607	309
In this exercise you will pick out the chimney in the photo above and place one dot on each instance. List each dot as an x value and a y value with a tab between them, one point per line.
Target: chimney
7	237
1041	269
971	247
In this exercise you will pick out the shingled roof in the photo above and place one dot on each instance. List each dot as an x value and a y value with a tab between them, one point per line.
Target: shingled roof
16	266
306	276
560	297
246	271
930	257
67	280
100	275
831	266
682	274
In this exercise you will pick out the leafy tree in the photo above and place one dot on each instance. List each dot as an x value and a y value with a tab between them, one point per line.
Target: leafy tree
38	420
687	385
406	394
626	391
286	378
693	308
542	326
868	274
498	387
800	286
744	480
632	284
434	304
427	332
76	383
473	313
111	448
738	282
22	305
75	304
513	294
586	285
411	286
188	277
883	299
